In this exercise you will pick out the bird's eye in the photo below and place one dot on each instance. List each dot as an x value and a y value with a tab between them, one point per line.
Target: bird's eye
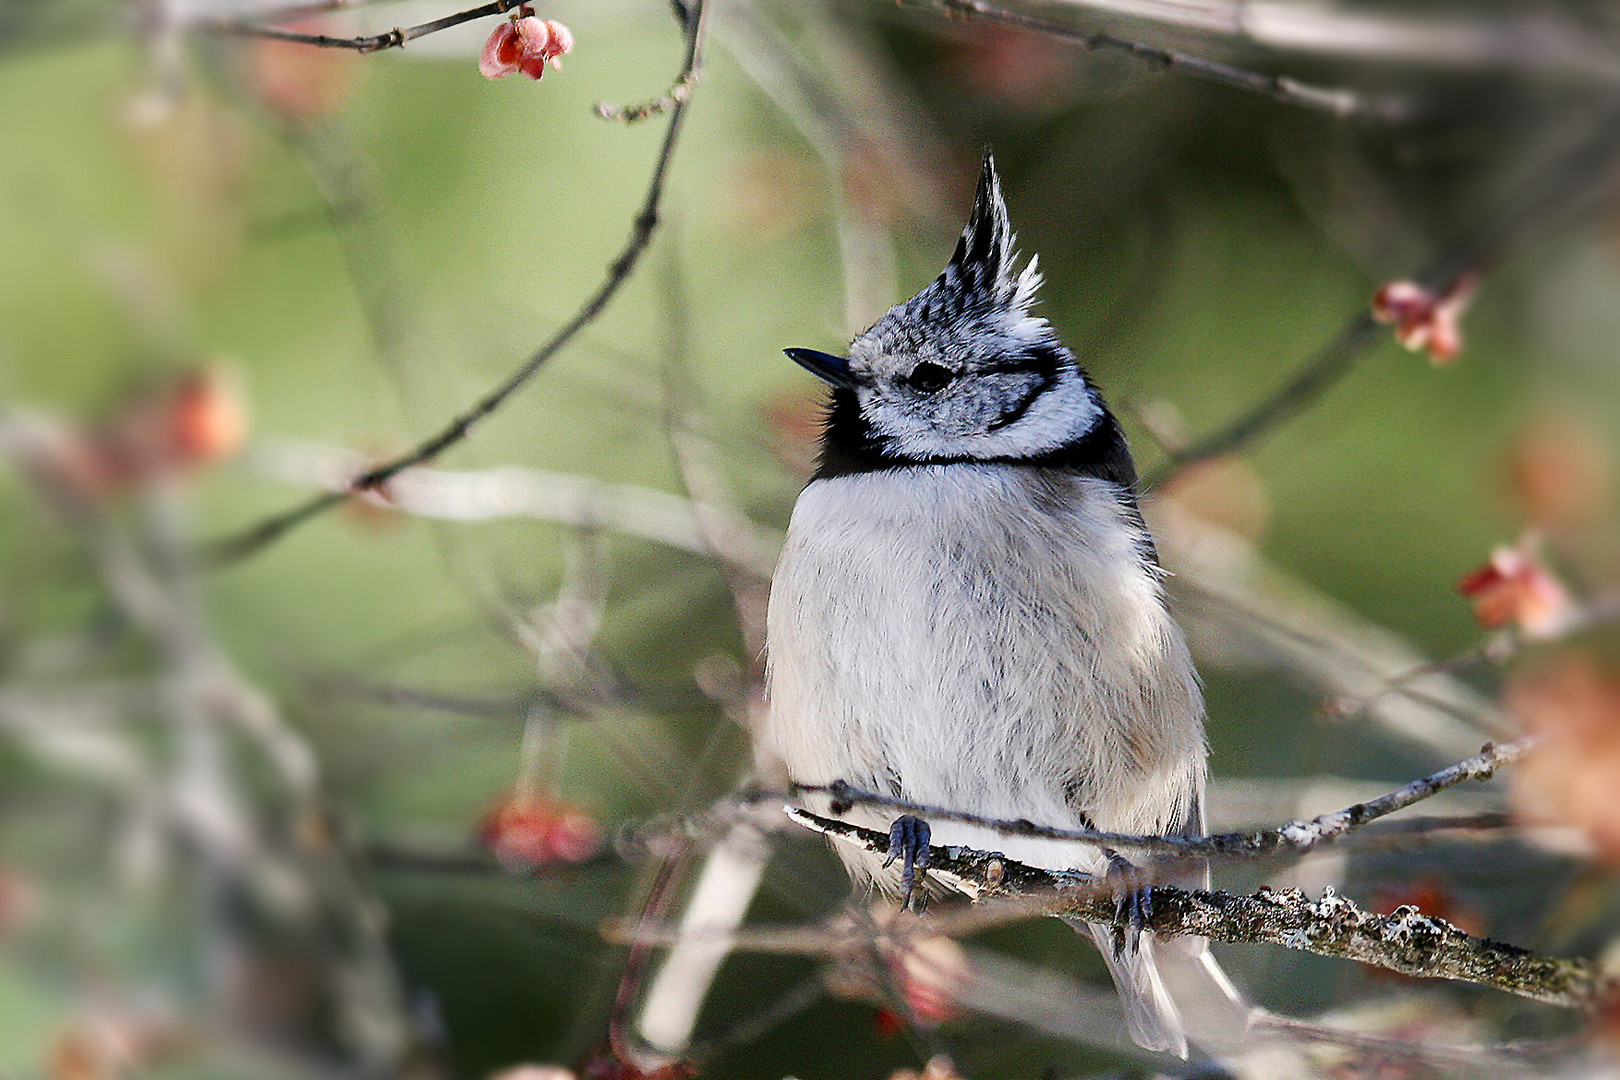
929	378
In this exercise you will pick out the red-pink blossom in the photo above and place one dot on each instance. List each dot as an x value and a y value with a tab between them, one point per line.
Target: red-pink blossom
525	44
1515	588
1426	320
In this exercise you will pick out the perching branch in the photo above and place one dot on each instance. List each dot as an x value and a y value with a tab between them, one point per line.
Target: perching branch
645	223
1293	837
1404	941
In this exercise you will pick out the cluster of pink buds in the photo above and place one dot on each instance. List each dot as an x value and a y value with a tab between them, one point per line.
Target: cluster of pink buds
1426	320
524	43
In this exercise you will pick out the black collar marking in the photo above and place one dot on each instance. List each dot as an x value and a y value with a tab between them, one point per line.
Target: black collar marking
848	448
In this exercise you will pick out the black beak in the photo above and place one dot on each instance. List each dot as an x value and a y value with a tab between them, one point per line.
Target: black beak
824	366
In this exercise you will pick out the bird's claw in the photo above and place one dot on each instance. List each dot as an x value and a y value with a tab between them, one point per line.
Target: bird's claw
908	841
1133	906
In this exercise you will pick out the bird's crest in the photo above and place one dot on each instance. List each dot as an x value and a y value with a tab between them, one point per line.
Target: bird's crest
981	276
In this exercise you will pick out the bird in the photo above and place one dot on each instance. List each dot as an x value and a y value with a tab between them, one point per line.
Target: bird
968	612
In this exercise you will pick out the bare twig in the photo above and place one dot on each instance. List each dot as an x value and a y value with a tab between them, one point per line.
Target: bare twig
1238	598
511	491
1404	941
1335	101
1554	190
1457	39
645	223
1294	836
1540	41
366	43
677	94
1590	613
721	521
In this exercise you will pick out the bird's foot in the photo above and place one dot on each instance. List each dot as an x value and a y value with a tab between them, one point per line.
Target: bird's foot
908	842
1133	906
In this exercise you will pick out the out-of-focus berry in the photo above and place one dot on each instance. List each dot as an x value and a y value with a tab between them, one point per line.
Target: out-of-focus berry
932	974
1572	776
533	1072
939	1067
198	420
302	84
531	834
1560	472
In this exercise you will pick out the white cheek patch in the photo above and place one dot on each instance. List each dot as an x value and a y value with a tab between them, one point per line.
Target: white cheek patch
1062	413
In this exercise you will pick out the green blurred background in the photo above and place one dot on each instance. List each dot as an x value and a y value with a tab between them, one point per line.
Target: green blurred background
373	265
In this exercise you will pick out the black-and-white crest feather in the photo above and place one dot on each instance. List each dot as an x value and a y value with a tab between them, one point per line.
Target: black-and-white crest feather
982	282
966	371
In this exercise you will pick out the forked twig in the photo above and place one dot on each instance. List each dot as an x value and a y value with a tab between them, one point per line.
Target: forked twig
1581	170
256	537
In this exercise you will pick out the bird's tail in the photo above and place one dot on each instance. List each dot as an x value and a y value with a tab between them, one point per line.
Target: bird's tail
1174	992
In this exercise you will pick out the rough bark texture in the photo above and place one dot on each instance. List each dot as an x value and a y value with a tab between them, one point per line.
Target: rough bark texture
1405	941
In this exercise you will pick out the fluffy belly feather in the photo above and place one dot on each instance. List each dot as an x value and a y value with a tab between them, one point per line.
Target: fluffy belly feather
987	638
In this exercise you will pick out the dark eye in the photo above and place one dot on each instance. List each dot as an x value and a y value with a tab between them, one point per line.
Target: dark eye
929	378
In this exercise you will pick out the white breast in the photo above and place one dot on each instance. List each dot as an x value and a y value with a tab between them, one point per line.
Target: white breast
987	638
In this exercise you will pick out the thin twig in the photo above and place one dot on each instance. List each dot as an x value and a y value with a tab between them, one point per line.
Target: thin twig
257	537
630	114
1405	941
721	522
511	491
1294	836
1459	38
1582	169
1338	102
366	43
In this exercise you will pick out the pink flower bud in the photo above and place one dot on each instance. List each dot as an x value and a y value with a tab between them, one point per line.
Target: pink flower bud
1402	302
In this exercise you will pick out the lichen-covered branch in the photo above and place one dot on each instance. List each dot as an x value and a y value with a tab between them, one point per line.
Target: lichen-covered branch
1404	941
